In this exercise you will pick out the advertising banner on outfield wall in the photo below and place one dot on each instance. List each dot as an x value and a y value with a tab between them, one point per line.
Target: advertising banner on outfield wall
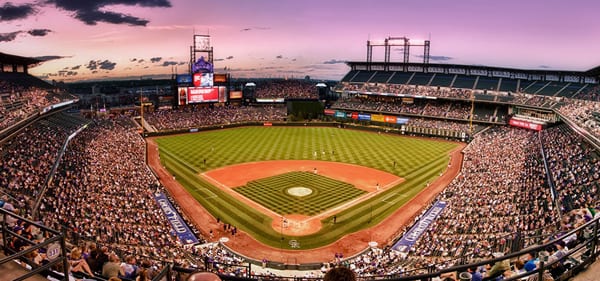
390	119
329	112
364	116
414	233
401	120
377	118
340	114
180	228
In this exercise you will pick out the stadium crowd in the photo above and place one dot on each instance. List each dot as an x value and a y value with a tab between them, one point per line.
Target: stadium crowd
293	88
102	192
194	117
443	109
19	102
410	90
582	113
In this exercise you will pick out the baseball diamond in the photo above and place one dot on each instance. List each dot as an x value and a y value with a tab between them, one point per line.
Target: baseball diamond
343	162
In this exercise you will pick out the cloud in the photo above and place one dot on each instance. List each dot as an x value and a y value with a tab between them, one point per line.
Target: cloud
141	60
167	63
67	73
218	59
255	28
155	59
229	57
133	59
333	61
279	57
99	64
49	58
92	12
39	32
107	65
436	58
181	63
10	12
76	67
544	66
7	37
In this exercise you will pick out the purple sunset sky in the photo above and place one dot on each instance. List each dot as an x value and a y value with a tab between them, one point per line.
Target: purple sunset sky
260	38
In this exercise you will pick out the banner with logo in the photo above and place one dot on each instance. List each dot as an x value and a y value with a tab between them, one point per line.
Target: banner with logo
410	238
179	226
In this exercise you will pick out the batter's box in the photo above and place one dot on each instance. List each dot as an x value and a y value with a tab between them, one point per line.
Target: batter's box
211	195
393	198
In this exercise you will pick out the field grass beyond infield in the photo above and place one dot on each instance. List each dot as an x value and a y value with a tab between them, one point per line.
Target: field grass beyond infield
418	161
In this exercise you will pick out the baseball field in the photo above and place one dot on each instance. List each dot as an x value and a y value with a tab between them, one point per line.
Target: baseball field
306	185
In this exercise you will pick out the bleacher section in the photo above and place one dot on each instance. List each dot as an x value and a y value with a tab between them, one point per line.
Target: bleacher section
442	80
421	79
381	77
464	82
487	83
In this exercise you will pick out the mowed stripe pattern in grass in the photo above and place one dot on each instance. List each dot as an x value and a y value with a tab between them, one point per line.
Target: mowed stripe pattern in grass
326	193
418	161
233	146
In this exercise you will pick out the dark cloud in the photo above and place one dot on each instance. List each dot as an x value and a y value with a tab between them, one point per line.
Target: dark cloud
7	37
218	59
279	57
333	61
181	63
133	59
10	12
49	58
155	59
99	64
294	60
92	65
67	73
39	32
92	12
229	57
141	60
107	65
167	63
437	58
76	67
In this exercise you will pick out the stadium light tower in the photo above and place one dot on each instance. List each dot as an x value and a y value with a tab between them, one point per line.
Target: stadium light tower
390	42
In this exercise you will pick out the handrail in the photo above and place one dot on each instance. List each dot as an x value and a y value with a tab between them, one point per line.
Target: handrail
57	237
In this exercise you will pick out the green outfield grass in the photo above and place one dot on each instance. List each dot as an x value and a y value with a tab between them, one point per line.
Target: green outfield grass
273	193
418	161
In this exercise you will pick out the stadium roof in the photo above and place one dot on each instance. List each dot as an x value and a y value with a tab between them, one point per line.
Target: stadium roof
595	72
12	59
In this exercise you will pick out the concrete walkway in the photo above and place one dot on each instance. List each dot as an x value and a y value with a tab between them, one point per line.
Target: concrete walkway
12	270
592	273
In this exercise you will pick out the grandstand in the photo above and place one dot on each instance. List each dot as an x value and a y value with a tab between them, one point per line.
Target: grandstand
519	191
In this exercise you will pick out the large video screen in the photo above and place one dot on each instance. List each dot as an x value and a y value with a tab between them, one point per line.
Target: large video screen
198	94
203	79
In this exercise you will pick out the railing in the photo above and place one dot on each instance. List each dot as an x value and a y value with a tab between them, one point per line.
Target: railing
583	254
54	245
